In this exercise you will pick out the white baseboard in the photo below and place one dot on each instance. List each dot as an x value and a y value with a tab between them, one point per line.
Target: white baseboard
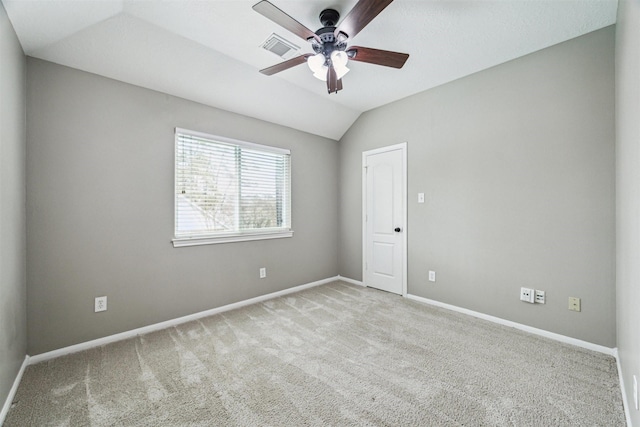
625	401
174	322
353	282
520	326
170	323
12	392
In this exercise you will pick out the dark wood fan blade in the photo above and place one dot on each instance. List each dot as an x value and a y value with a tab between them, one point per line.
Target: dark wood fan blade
279	17
332	80
377	56
339	85
286	65
361	14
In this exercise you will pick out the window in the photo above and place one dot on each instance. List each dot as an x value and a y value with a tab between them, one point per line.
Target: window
229	191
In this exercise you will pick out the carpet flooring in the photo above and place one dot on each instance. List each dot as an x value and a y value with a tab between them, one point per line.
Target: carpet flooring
336	354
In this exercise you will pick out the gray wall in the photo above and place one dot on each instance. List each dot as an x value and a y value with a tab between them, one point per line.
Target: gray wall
517	166
628	194
13	308
100	210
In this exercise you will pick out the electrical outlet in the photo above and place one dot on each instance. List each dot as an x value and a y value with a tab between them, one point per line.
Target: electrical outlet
527	295
432	276
420	197
100	304
263	272
539	296
574	304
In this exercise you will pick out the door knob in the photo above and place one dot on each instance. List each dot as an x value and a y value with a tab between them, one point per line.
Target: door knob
398	229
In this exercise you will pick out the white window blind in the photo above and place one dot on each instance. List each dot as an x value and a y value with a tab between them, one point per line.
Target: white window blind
228	190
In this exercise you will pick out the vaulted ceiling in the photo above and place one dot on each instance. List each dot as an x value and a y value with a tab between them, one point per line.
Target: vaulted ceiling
210	51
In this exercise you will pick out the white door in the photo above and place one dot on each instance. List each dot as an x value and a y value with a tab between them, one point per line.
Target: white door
384	218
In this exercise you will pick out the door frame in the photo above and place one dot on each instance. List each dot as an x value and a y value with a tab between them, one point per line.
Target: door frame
405	229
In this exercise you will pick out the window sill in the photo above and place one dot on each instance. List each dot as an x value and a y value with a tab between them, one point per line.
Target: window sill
180	242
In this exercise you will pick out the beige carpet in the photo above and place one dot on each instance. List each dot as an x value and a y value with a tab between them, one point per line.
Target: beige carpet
335	355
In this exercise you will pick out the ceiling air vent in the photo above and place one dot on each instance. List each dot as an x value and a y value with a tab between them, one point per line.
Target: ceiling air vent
281	47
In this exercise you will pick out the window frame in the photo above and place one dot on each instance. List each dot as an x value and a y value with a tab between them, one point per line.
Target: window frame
235	236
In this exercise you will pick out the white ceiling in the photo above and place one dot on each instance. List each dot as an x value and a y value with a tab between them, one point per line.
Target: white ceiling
209	51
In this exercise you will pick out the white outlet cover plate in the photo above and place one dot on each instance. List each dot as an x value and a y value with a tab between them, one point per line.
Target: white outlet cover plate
527	295
100	304
432	276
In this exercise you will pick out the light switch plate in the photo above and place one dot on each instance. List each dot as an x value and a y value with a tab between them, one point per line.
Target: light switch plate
574	304
432	276
420	197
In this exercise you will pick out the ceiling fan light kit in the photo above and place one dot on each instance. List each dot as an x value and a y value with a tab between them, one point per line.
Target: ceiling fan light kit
329	43
319	64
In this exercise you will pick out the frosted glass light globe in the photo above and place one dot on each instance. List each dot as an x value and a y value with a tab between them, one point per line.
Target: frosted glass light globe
316	64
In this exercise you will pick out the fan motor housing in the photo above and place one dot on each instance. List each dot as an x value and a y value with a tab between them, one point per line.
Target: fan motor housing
329	18
326	34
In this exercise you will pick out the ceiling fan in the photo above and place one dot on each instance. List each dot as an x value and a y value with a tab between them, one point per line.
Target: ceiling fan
330	42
